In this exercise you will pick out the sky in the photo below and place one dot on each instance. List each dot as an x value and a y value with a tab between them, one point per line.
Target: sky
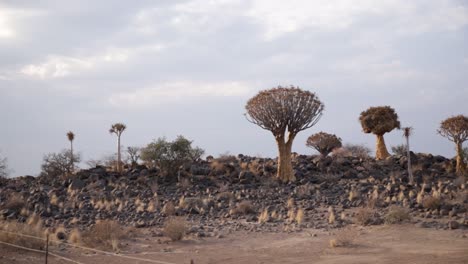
168	68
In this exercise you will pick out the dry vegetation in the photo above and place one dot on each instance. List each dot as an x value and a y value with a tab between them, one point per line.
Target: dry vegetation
105	234
344	237
365	216
396	215
32	227
175	228
243	208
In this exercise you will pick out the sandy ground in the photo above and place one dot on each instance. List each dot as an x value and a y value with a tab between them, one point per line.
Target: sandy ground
377	244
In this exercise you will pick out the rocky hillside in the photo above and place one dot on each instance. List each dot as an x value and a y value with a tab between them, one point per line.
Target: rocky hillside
240	193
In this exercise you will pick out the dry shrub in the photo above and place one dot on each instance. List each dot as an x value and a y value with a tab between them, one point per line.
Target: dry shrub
75	237
344	237
243	208
169	209
397	214
175	228
35	229
15	203
105	234
225	196
431	202
352	150
365	216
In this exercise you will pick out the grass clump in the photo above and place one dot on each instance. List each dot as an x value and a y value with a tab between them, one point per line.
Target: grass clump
396	215
344	237
365	216
243	208
431	202
33	227
105	234
175	228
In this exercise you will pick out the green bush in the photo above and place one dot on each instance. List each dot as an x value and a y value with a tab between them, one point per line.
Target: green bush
168	156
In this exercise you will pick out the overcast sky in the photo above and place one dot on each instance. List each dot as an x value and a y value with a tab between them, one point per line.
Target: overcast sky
170	67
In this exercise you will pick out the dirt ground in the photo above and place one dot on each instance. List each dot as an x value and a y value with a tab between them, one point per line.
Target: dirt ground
377	244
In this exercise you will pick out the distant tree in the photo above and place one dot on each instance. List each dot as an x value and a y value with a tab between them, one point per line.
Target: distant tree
455	129
58	164
71	137
378	121
118	129
170	156
399	150
3	167
280	110
323	142
134	154
407	132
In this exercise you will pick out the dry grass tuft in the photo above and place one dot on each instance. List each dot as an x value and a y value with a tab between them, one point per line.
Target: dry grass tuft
365	216
431	202
105	234
175	228
15	203
243	208
169	209
75	237
331	215
263	217
396	214
35	230
344	237
300	216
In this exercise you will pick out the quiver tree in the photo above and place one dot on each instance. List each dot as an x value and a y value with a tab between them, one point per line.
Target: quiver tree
323	142
282	110
378	121
118	129
71	137
455	129
407	132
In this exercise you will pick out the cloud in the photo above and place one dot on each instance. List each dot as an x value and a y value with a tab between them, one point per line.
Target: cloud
405	17
11	18
57	66
175	91
6	30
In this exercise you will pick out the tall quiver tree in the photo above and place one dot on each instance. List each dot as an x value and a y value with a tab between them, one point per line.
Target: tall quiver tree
118	129
455	129
71	137
284	111
407	132
378	121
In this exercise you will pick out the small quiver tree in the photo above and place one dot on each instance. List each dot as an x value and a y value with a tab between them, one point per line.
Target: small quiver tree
280	110
118	129
455	129
378	121
323	142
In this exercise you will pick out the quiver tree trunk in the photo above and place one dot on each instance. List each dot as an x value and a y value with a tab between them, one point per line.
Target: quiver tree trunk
119	163
408	154
381	150
285	171
461	166
72	158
